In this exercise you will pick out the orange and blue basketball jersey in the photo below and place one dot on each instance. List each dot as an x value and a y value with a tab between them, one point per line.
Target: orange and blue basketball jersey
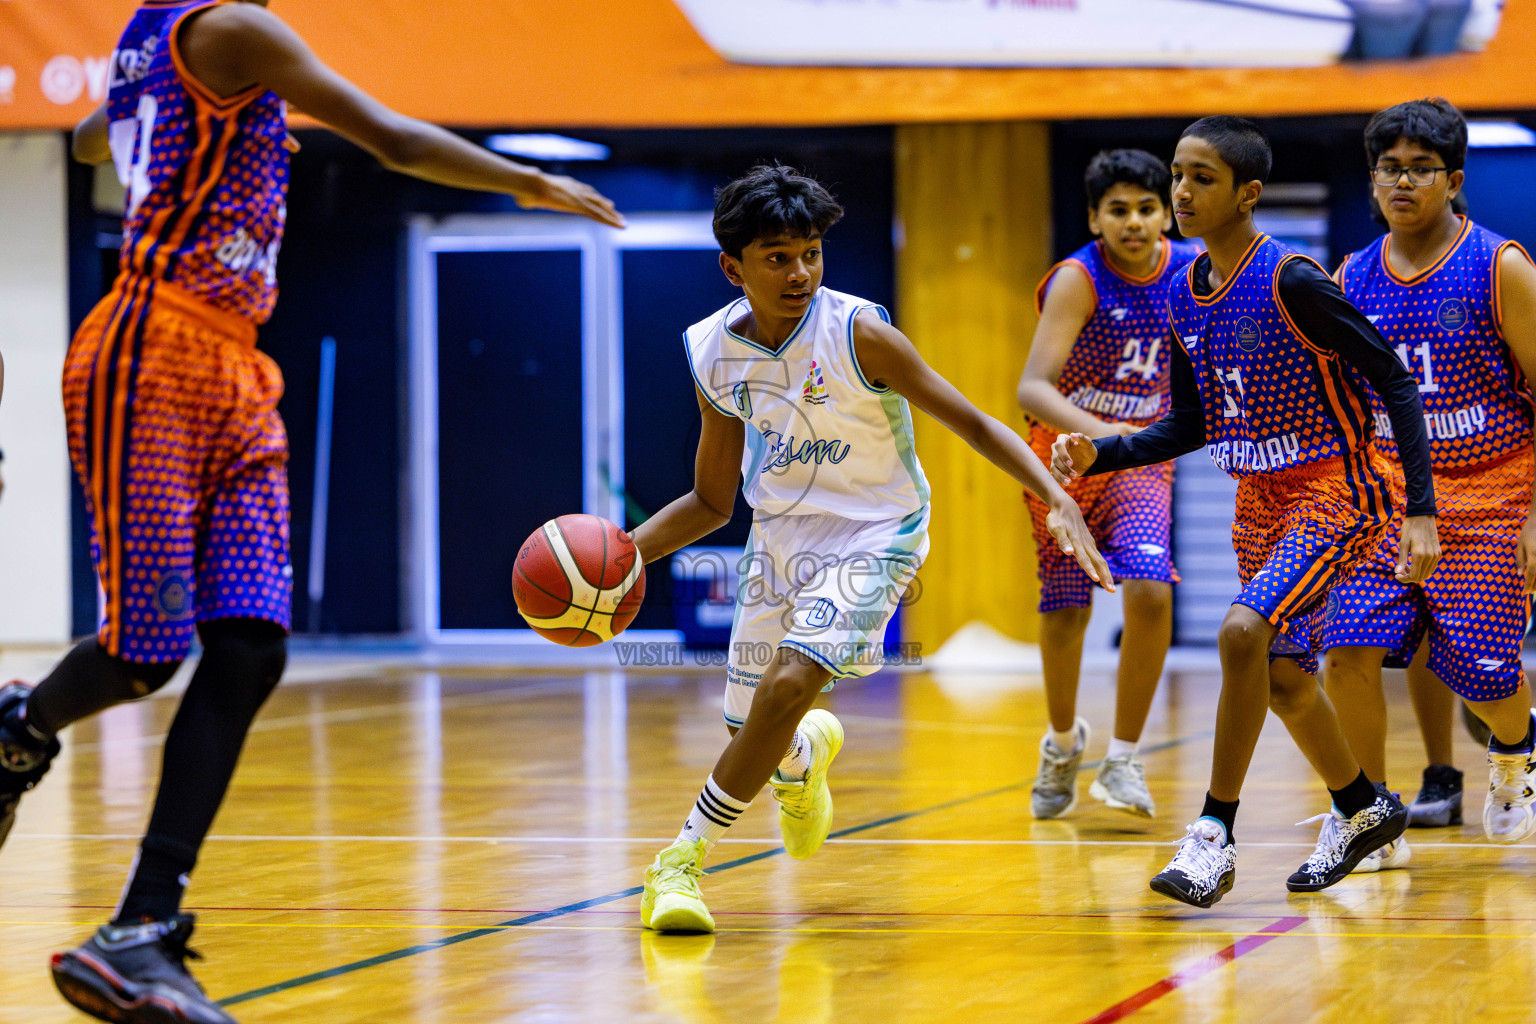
1118	367
207	176
1285	417
1445	326
1118	371
171	409
1273	399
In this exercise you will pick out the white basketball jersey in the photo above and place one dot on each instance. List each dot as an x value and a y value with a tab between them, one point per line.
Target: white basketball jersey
820	438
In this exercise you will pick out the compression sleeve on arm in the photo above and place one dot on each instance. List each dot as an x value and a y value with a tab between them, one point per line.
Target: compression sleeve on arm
1179	432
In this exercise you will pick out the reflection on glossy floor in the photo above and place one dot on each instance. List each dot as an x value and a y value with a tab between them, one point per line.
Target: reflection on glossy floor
408	846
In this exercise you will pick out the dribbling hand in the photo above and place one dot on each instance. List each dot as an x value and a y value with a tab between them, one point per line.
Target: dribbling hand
1071	455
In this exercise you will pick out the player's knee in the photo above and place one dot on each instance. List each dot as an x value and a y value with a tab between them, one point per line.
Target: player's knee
794	679
249	655
1069	620
1291	693
1343	666
1148	599
1243	635
136	679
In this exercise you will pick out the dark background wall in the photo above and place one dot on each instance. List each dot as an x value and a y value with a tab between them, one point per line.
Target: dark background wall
341	275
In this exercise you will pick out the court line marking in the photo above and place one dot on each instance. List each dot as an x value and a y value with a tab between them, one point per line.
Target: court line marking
1099	933
1197	970
1351	917
1471	844
597	901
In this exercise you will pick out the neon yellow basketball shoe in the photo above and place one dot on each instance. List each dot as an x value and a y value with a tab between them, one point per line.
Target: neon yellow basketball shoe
672	901
805	806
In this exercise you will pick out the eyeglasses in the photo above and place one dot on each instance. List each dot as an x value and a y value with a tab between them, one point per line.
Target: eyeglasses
1419	176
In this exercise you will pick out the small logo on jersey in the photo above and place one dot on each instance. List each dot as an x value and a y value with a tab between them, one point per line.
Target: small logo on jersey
1191	341
1375	318
1452	315
173	596
1118	313
815	389
1151	549
1330	607
1248	334
1489	664
742	399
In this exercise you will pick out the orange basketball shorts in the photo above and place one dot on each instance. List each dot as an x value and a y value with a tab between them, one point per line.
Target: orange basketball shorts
1473	607
1300	531
175	436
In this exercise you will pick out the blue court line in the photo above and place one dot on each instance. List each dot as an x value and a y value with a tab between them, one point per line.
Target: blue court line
613	897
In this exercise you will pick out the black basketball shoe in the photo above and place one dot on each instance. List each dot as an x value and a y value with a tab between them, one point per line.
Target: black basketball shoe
137	974
24	759
1439	801
1340	849
1203	870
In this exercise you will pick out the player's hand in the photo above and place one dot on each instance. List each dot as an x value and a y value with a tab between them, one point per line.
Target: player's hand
1528	553
1066	524
567	195
1071	455
1124	429
1419	550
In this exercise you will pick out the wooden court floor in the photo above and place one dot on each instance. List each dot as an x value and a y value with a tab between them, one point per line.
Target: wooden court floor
465	846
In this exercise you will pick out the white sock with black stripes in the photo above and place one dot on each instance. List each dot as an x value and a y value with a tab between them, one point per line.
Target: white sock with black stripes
797	759
713	812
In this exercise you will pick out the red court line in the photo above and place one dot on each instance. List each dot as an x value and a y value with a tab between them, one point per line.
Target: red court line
1196	971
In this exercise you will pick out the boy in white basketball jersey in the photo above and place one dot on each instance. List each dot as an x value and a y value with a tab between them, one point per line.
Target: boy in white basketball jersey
804	391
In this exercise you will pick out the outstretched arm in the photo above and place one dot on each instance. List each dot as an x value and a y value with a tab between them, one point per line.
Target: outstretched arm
88	144
706	508
1178	433
1517	295
234	47
888	359
1069	305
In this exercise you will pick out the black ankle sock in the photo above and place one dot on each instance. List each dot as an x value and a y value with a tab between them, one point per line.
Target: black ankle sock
1224	811
159	879
1519	748
1355	797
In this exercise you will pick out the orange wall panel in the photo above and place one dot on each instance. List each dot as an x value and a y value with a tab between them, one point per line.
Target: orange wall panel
639	63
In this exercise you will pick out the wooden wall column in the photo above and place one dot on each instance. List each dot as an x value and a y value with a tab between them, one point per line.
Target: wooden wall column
973	209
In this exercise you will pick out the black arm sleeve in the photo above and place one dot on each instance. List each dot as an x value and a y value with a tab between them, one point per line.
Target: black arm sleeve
1317	306
1179	432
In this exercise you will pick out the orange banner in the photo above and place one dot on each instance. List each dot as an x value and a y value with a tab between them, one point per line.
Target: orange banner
640	63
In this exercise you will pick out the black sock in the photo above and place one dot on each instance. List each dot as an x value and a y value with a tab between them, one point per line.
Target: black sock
242	661
1519	748
159	878
1355	797
1224	811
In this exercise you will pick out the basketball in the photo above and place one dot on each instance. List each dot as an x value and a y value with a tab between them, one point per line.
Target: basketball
578	580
